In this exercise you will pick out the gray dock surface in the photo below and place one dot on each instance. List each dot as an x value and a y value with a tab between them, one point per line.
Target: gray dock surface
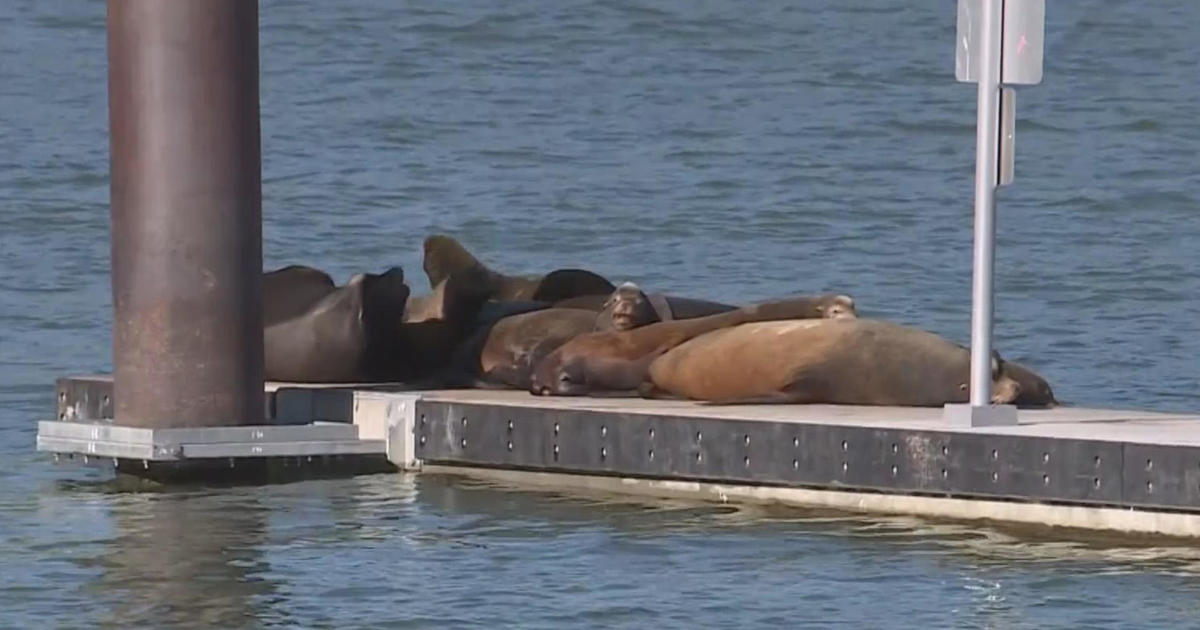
1063	422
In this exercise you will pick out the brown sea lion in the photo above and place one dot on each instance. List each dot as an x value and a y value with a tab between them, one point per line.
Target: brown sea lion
517	343
510	338
653	307
617	360
848	361
629	307
444	255
291	290
346	336
1035	391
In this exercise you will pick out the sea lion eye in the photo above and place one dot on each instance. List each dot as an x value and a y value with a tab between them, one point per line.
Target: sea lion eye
563	377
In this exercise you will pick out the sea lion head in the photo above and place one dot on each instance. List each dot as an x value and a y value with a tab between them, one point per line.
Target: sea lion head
444	255
557	375
837	307
627	308
1035	391
1005	388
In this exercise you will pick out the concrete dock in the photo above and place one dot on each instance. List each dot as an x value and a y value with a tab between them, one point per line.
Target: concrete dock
1129	471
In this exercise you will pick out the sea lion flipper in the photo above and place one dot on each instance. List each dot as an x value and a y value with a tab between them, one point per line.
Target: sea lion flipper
650	391
661	306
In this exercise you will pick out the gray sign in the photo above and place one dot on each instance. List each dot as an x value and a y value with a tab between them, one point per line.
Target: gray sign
1024	27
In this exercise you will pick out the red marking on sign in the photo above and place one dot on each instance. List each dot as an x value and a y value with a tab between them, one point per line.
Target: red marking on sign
1021	45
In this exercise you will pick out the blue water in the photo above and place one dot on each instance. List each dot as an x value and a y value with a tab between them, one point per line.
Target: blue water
732	151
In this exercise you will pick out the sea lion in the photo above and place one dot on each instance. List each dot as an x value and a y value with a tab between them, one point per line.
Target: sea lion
629	307
1035	391
291	290
424	307
346	336
617	360
427	347
515	344
463	368
838	361
562	284
444	255
649	307
504	350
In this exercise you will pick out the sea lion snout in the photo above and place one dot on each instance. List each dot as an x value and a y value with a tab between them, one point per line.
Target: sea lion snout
625	311
627	308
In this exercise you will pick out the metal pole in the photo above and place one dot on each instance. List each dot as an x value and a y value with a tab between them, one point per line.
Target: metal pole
186	212
987	130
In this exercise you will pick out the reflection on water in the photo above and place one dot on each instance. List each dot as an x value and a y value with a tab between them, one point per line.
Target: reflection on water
185	558
997	544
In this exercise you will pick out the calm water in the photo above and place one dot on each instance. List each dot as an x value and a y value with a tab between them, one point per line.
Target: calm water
727	150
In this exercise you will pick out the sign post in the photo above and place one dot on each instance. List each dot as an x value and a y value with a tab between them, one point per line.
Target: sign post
998	42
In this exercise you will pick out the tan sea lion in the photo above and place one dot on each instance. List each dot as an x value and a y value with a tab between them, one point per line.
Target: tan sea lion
617	360
444	255
848	361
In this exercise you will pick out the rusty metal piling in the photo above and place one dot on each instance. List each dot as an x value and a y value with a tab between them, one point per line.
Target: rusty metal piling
186	212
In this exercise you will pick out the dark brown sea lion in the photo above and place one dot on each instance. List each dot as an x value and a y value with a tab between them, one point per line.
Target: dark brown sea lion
444	255
847	361
346	336
289	291
562	284
425	307
617	360
427	347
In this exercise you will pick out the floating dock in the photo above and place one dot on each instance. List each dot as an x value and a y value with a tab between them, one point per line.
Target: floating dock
1115	470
